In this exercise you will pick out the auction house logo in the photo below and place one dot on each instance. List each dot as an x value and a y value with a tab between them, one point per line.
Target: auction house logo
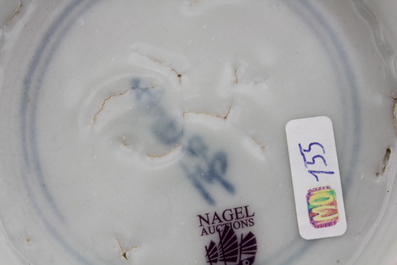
230	249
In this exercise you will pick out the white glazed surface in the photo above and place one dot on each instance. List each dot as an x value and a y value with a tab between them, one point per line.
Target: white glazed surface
7	255
101	175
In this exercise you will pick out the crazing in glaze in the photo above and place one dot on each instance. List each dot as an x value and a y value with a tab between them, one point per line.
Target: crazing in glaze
291	73
199	167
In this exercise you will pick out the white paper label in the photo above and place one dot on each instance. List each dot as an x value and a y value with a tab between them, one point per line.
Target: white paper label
316	179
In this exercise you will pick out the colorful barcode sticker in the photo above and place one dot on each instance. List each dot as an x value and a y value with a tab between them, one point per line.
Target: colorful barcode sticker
316	179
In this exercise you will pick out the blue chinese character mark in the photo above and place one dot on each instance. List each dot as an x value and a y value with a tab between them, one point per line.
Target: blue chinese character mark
166	129
197	165
205	169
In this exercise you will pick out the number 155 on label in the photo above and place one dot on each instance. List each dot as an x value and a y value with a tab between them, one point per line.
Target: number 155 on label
316	179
